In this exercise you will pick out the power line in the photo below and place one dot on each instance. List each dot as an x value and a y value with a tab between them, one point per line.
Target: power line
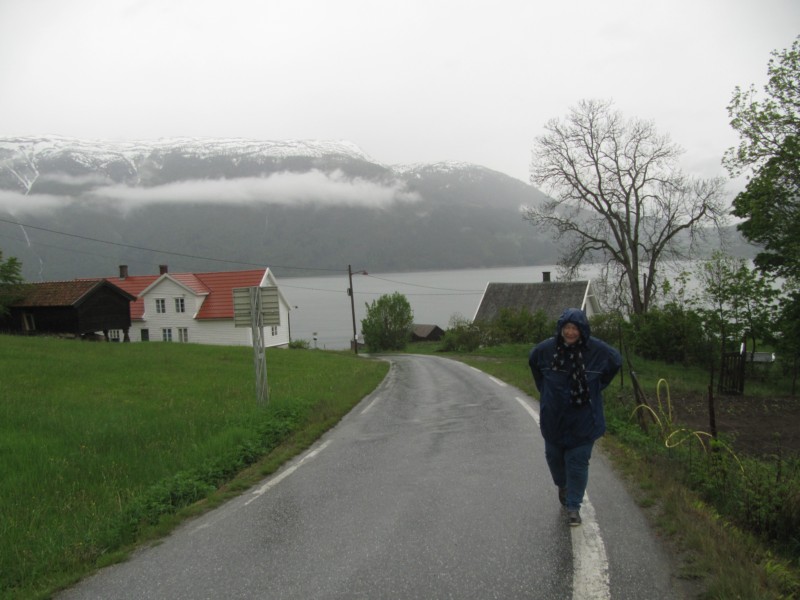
181	254
459	292
430	287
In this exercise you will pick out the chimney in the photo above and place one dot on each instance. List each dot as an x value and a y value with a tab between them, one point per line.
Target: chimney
123	271
545	275
162	269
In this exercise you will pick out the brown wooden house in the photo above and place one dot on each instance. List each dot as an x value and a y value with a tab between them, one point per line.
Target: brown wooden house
76	308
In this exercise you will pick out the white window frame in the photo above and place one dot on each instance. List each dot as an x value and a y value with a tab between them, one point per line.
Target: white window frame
183	334
161	306
166	334
180	305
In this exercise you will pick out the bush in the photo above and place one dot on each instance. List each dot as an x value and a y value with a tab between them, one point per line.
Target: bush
461	336
517	326
388	323
672	334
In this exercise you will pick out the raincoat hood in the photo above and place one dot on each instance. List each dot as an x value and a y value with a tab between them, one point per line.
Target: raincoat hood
578	317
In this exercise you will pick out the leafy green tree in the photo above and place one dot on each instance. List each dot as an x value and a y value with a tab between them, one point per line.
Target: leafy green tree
770	147
736	301
620	198
10	282
788	341
388	323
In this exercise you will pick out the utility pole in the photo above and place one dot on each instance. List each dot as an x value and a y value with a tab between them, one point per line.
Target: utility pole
352	307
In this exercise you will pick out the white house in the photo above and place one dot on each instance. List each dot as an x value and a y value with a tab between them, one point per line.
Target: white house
196	307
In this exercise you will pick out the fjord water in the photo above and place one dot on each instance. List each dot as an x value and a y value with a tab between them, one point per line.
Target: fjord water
321	311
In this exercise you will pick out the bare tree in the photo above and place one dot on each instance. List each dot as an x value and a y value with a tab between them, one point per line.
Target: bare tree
619	198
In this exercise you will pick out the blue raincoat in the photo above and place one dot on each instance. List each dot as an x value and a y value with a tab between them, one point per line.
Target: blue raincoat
562	423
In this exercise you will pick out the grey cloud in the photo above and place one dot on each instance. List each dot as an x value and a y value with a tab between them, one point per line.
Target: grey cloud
280	188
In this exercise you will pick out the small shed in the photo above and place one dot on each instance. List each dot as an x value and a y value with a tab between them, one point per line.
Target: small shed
552	297
76	308
426	333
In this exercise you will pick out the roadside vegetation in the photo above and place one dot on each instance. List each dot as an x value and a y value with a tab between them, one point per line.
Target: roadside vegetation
103	446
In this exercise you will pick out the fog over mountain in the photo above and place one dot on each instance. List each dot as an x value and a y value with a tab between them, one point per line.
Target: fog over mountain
300	207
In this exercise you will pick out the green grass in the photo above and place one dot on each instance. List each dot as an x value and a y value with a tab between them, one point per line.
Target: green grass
102	444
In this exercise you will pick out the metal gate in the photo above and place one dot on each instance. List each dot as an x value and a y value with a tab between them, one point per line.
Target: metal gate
731	380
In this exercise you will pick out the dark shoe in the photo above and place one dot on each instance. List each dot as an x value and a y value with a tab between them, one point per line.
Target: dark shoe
574	518
562	496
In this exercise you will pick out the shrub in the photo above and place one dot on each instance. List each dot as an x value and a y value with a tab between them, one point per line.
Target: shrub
672	334
461	336
388	323
516	326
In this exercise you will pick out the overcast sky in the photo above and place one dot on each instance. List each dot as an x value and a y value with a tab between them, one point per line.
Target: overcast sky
407	80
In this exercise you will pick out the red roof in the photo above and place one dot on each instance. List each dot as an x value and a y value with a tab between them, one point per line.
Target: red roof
219	303
217	287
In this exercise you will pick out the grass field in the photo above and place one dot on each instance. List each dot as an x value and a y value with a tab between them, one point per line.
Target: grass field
101	442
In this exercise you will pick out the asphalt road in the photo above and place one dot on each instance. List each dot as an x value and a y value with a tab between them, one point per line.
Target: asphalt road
435	486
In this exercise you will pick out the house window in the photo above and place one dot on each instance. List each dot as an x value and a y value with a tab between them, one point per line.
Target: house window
161	305
183	334
114	335
180	305
166	334
274	330
145	335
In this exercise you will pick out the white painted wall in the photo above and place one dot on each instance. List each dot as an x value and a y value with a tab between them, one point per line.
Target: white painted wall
217	331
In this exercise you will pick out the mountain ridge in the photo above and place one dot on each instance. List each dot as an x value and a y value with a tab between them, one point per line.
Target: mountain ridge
303	204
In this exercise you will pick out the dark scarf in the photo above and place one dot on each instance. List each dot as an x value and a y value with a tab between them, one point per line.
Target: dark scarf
570	358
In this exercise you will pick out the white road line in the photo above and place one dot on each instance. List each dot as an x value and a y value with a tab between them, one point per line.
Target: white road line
590	576
277	479
530	410
498	382
370	405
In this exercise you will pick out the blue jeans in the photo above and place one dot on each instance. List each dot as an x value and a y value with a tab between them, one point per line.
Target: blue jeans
570	469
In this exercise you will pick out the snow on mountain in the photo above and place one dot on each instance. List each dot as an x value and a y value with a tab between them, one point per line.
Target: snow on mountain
297	203
103	151
444	167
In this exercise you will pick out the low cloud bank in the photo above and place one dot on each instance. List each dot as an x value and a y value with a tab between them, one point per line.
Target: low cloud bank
313	187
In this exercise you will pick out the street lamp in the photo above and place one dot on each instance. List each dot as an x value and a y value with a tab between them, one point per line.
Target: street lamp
352	303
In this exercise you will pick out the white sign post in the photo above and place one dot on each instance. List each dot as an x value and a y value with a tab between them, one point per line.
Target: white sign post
256	307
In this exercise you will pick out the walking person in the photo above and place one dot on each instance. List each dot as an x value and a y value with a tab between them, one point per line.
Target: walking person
571	370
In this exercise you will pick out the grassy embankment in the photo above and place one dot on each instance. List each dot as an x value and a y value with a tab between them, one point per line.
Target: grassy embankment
106	445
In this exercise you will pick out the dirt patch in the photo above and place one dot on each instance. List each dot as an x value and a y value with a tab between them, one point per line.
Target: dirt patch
757	426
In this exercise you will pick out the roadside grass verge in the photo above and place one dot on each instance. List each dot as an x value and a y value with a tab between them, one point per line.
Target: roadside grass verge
105	445
687	492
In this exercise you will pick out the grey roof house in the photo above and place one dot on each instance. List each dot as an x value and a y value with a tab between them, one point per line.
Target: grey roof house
550	296
426	333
